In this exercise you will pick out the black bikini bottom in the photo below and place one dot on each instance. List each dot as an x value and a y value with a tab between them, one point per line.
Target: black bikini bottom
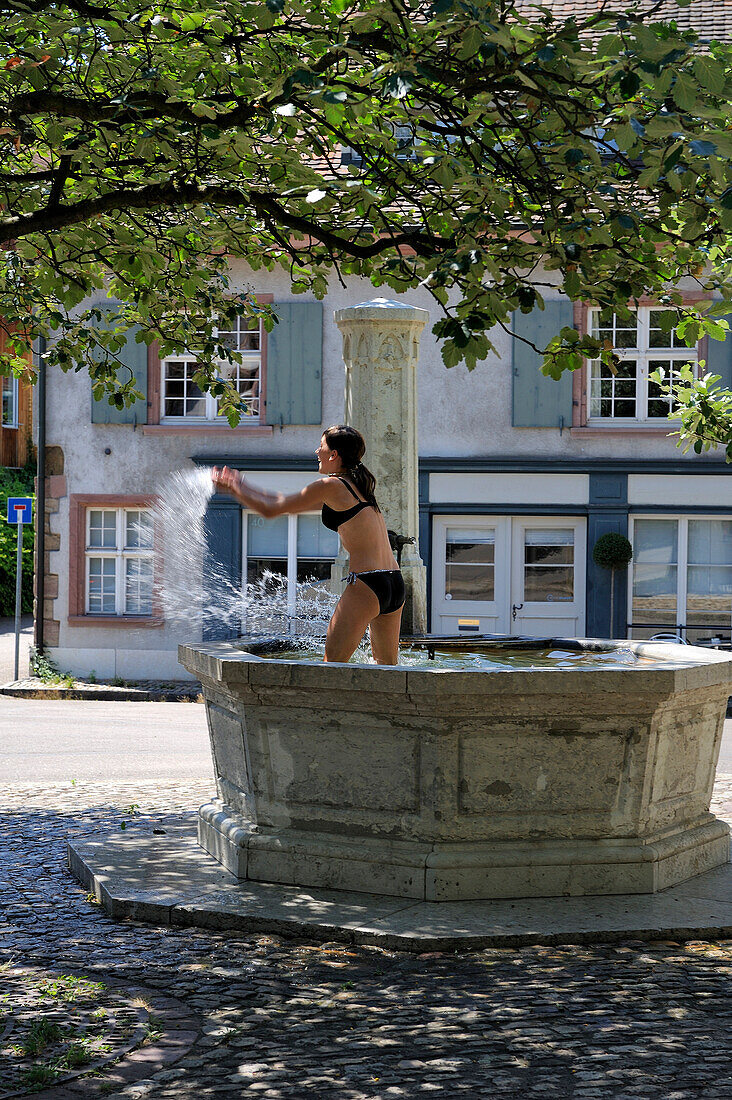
386	584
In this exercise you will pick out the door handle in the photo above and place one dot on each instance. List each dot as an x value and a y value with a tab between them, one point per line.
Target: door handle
514	608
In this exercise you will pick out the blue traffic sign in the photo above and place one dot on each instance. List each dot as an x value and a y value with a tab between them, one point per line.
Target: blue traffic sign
20	509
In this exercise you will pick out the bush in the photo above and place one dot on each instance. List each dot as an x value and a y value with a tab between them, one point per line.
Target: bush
15	483
612	551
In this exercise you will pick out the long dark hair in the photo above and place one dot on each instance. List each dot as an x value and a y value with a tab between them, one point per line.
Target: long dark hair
350	447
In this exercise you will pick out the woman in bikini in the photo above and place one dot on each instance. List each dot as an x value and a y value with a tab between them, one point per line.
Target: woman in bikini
374	594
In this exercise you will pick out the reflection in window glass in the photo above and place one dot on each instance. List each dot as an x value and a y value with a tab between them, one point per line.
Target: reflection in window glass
655	572
103	528
10	400
549	565
301	594
470	563
709	576
102	585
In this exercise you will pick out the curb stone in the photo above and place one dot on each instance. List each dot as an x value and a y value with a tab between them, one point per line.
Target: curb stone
174	692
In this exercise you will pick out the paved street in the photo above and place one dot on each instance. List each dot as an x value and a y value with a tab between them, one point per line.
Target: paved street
7	647
291	1019
52	740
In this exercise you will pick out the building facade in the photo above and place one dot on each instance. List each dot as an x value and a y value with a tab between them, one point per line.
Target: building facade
518	478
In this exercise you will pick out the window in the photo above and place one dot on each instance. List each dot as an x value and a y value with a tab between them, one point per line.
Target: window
182	399
119	561
405	139
548	565
642	348
470	554
10	401
681	577
298	551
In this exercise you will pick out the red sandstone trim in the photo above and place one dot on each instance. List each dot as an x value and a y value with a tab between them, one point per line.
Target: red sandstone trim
78	504
214	429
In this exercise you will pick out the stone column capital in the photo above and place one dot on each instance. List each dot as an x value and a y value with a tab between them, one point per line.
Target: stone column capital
382	311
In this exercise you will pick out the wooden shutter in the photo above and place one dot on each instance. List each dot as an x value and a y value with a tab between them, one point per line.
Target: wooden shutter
538	401
295	365
222	566
134	356
719	359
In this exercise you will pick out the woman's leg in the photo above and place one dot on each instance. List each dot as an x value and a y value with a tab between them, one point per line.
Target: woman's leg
354	611
384	631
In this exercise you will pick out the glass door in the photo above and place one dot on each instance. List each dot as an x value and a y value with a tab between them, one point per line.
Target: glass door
470	582
548	577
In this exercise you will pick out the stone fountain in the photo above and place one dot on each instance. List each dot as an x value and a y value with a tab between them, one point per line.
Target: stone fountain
453	784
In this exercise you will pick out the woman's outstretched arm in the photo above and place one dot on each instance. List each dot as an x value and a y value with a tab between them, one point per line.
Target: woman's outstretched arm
265	503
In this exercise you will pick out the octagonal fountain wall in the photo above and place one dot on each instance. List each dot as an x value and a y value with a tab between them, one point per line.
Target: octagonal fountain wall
444	784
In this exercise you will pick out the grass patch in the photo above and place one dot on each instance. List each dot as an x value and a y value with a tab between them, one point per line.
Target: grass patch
39	1075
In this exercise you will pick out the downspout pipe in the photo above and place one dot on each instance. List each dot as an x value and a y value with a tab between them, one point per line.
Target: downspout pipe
41	498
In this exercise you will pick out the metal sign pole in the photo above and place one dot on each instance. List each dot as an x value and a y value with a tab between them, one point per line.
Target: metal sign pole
18	579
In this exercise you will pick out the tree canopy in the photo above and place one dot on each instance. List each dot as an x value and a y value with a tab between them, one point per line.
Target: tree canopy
484	150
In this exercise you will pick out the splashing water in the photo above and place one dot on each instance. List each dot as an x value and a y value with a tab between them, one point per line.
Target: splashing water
198	600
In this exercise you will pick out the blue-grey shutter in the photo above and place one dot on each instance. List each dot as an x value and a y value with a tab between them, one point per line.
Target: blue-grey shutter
295	364
538	401
221	569
134	356
719	359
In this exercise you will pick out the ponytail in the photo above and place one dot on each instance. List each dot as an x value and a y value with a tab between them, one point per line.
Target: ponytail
364	481
350	445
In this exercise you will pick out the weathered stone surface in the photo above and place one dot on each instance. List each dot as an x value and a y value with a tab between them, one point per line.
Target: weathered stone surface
458	784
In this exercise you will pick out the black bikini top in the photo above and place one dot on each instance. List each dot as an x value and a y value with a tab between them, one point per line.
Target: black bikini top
333	519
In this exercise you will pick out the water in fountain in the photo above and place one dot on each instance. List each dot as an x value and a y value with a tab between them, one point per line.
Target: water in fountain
197	598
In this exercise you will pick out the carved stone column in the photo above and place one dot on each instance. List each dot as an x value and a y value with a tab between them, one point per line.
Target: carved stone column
380	350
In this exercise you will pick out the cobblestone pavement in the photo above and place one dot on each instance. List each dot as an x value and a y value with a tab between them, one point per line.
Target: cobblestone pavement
290	1019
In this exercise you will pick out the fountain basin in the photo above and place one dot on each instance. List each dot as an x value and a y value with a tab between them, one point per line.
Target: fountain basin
456	784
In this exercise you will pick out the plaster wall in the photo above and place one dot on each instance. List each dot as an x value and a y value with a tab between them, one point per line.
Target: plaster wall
460	414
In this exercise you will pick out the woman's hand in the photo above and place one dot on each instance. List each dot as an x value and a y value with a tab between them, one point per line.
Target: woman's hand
227	481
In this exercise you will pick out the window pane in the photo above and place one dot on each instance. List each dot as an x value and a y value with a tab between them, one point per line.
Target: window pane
613	394
469	563
654	594
102	575
548	584
102	528
314	540
138	530
710	542
138	586
709	577
469	582
10	393
315	570
181	395
655	540
243	335
267	537
657	338
258	566
622	332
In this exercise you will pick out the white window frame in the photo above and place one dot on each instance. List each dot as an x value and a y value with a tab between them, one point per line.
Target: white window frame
642	355
120	554
682	566
212	414
498	616
291	559
13	422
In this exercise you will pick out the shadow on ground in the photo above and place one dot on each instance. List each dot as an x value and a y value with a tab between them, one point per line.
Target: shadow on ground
289	1019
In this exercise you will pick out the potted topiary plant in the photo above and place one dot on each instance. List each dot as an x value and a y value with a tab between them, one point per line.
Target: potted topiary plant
612	551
